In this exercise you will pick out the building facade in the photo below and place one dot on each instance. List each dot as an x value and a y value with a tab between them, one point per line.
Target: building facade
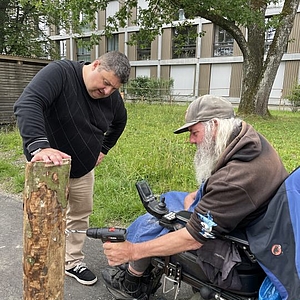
211	63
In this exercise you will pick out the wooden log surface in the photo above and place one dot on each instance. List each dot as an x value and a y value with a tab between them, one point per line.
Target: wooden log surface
45	202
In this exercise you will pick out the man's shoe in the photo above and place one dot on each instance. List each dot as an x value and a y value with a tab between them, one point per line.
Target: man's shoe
196	296
123	285
82	274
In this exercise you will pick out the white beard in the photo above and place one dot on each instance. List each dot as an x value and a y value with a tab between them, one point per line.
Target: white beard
204	163
205	158
211	148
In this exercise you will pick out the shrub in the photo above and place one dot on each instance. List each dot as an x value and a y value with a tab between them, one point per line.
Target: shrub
294	98
148	89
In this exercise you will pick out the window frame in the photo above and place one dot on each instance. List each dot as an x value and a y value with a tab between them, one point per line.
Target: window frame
222	47
184	41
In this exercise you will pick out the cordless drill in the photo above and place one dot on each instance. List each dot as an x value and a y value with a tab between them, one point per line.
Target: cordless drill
106	234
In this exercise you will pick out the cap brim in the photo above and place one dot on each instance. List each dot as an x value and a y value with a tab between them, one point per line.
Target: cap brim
185	127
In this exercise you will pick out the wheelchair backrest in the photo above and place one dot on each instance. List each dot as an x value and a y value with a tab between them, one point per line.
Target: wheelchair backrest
275	238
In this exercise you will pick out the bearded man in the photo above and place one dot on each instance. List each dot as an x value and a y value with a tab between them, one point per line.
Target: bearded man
238	172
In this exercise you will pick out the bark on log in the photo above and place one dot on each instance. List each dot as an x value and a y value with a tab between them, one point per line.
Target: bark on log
45	202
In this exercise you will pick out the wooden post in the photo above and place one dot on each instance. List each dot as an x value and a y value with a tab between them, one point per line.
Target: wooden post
45	202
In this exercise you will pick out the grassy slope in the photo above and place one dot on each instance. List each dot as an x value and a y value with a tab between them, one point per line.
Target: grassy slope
148	149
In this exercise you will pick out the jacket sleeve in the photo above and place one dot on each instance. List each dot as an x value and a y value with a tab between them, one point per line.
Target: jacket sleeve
117	126
32	105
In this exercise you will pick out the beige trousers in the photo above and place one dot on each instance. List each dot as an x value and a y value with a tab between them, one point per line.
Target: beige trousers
80	206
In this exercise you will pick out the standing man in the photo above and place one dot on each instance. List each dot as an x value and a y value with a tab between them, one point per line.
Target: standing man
74	110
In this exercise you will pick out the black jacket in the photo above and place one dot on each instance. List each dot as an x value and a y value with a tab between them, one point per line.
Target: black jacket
55	110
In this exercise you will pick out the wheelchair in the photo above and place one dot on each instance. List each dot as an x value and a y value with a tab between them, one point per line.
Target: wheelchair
183	267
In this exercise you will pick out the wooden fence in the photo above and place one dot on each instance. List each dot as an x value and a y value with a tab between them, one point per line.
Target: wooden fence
15	73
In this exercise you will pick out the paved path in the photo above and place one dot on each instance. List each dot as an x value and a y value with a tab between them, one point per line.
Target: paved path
11	234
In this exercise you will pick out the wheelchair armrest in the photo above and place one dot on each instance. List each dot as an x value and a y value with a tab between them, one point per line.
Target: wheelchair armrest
183	215
237	236
175	221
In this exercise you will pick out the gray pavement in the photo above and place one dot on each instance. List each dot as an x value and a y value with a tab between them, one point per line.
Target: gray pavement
11	252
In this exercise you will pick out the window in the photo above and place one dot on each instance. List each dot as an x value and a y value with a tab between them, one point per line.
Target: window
112	8
144	51
269	36
63	49
113	43
85	25
223	45
83	53
184	42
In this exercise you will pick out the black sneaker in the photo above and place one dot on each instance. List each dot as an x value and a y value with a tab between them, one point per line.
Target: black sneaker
123	285
82	274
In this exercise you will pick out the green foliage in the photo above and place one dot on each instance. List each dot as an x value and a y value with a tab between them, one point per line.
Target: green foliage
294	98
148	149
143	88
20	30
22	22
71	16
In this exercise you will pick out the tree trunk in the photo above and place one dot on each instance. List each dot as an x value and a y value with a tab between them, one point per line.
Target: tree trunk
253	54
275	53
249	87
45	202
258	79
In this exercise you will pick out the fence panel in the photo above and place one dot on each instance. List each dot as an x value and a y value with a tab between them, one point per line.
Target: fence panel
15	73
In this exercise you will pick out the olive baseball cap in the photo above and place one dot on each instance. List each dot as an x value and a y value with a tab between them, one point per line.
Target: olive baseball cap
204	109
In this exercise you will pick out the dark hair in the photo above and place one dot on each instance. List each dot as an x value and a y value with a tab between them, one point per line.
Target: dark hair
118	63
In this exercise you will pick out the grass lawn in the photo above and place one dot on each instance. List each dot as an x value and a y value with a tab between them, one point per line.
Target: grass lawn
148	149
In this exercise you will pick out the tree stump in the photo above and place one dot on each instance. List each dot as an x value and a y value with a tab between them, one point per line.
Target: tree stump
45	202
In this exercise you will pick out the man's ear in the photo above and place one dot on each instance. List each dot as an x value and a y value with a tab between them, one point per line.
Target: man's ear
95	64
215	128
